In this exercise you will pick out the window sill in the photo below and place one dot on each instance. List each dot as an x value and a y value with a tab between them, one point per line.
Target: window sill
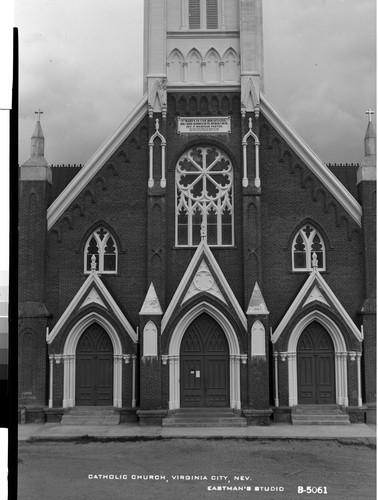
308	271
191	247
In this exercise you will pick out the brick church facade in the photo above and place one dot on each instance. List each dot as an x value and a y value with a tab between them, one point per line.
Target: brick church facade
204	257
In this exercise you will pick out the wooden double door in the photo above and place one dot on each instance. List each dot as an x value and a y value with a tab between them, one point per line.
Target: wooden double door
316	366
204	365
94	368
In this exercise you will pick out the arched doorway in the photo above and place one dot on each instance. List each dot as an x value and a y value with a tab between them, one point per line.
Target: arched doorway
204	365
94	368
316	366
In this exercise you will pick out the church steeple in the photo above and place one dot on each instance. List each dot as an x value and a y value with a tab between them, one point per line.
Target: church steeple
38	141
368	170
36	167
370	141
37	149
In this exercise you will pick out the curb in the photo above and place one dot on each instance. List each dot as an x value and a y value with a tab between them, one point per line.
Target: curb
357	441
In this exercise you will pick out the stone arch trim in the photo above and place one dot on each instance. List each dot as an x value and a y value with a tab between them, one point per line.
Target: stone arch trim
69	358
312	222
174	352
92	228
208	141
341	354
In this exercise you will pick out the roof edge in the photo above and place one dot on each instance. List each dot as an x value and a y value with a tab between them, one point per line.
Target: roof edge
312	160
315	277
97	160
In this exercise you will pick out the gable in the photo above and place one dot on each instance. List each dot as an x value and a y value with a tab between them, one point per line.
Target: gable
204	275
86	174
292	138
93	291
316	289
203	281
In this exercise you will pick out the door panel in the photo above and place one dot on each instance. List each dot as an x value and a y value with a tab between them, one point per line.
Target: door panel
316	366
307	388
204	365
84	377
94	368
192	382
217	382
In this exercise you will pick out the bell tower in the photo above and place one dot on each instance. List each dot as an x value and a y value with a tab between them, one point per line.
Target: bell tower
204	45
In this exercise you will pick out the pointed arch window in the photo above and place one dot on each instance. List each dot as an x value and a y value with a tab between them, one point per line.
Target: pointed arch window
204	187
307	242
203	14
101	244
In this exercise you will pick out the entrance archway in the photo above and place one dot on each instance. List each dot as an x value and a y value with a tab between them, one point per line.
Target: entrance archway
175	346
316	366
94	368
204	365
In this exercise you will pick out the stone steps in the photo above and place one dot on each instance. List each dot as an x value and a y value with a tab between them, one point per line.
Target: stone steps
91	415
319	415
204	417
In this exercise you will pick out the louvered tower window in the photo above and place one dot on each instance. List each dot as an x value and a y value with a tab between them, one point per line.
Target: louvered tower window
194	14
203	14
212	14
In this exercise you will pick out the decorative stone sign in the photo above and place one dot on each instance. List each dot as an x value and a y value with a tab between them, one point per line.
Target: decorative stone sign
204	125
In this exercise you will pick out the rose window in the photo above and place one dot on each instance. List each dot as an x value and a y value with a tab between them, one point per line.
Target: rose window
204	180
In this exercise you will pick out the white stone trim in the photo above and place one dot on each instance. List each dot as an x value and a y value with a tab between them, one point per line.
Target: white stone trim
276	386
331	182
51	381
341	376
359	385
315	278
203	250
199	284
174	353
133	396
69	358
94	164
366	173
93	278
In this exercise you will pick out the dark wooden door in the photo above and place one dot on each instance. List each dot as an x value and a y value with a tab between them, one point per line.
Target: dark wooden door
94	368
316	366
204	365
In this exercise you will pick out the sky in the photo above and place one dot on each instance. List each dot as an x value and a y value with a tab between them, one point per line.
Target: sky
81	64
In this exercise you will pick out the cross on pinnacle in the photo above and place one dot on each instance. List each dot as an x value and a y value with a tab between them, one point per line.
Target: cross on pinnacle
369	112
39	113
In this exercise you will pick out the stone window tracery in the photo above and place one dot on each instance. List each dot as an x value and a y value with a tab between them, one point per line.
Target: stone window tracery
204	185
307	242
102	246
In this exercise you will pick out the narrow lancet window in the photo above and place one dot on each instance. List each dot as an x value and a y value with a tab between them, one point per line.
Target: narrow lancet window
307	242
102	246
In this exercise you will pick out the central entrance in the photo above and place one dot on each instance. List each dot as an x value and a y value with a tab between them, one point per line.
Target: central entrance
316	366
204	365
94	368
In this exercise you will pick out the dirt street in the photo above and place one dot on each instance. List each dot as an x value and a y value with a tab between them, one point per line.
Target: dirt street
195	469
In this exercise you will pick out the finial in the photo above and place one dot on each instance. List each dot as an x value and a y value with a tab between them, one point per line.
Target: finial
250	123
369	112
314	260
157	124
39	113
93	264
203	231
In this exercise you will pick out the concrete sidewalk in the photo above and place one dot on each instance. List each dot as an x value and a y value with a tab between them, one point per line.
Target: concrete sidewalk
355	433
